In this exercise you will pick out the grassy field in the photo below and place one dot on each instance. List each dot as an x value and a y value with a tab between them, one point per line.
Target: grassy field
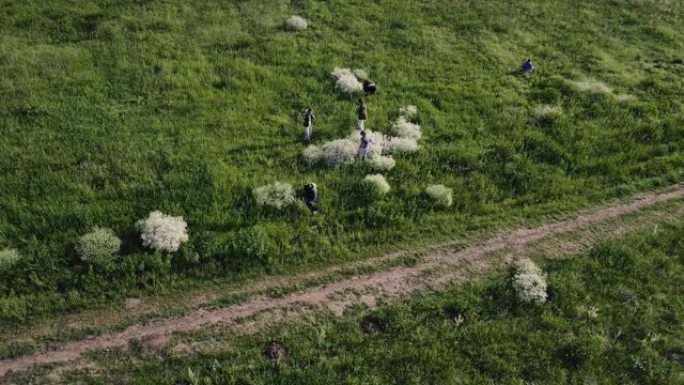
613	316
110	110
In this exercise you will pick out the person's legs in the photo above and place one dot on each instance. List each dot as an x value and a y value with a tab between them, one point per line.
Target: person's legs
363	153
307	132
361	124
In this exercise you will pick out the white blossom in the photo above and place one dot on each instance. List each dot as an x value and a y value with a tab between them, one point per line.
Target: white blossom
276	195
529	282
163	232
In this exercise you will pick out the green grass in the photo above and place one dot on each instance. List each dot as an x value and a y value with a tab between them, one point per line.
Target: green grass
612	316
111	110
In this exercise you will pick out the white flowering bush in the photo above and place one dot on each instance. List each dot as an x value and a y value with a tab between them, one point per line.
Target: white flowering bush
276	195
9	258
163	232
296	23
405	129
529	282
589	86
408	111
381	162
339	152
98	245
401	146
440	194
377	185
360	74
378	141
312	154
546	111
346	81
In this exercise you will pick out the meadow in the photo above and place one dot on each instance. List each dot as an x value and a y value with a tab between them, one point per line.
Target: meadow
613	315
112	110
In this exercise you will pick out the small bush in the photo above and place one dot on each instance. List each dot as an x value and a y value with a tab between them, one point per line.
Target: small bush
405	129
346	81
382	163
529	282
163	232
8	258
296	23
546	111
312	154
276	195
401	146
592	87
408	112
360	74
339	152
440	194
377	185
98	245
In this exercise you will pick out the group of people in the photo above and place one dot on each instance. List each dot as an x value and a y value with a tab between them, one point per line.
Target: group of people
362	115
310	191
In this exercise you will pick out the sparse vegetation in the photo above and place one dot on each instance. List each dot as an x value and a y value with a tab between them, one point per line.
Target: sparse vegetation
376	185
276	195
440	194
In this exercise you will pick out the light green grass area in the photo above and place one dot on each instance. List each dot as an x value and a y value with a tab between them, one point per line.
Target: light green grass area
111	110
613	316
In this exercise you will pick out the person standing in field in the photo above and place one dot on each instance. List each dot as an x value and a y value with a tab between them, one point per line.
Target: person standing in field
310	196
308	124
362	115
363	146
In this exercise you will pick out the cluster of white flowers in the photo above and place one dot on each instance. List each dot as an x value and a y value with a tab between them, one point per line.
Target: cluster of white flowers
405	129
589	86
99	244
441	194
163	232
9	258
401	146
546	111
312	154
377	184
346	81
529	282
339	152
408	111
382	163
296	23
276	195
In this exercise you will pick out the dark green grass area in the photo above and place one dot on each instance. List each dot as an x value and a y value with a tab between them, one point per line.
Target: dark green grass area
614	316
110	110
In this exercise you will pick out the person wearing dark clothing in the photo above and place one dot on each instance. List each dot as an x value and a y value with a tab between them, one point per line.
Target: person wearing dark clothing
527	66
308	124
369	87
363	146
362	115
310	196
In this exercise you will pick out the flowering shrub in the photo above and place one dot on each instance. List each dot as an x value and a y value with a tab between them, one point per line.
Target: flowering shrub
529	282
440	194
346	81
546	111
360	74
408	112
296	23
339	152
592	87
382	163
312	154
163	232
405	129
401	146
276	195
8	258
377	185
98	245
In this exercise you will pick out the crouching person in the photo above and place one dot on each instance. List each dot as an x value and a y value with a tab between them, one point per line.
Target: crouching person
310	196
